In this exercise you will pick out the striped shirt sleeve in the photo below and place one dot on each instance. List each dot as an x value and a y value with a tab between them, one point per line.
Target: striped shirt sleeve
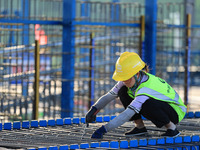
136	104
116	88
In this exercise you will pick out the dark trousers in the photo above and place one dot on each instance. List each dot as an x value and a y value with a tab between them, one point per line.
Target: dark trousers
159	112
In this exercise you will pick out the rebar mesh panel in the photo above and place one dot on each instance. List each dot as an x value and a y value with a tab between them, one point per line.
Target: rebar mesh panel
32	9
109	43
17	68
77	134
126	11
171	49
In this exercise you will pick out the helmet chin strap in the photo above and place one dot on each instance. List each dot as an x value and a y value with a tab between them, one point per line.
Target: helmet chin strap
137	79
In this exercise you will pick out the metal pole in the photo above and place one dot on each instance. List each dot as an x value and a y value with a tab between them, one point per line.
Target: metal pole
142	33
150	34
68	61
37	80
25	9
187	59
91	73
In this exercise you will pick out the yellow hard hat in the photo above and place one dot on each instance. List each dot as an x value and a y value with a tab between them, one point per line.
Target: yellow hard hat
127	65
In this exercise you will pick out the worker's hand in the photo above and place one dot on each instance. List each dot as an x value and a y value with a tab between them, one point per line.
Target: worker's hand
98	134
91	114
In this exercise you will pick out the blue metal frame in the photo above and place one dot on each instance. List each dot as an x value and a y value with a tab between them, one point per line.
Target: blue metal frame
67	95
106	23
26	6
26	21
92	71
25	38
150	34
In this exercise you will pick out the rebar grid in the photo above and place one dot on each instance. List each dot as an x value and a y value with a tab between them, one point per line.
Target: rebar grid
79	133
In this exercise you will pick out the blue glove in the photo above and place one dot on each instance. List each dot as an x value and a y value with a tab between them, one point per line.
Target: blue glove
98	134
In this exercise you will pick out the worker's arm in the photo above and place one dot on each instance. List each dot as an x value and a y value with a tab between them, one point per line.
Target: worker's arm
134	107
107	98
116	122
120	119
102	102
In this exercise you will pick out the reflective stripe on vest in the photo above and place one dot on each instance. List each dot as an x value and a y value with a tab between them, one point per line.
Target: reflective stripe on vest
160	96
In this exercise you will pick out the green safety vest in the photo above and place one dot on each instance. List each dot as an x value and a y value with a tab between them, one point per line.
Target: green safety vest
159	89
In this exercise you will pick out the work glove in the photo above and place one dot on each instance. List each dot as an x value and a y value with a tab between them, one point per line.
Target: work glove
91	114
98	134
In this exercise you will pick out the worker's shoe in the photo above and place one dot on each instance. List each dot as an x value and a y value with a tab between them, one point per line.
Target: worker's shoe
136	131
171	133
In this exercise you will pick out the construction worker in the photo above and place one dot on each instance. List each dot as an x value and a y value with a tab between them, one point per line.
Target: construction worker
141	93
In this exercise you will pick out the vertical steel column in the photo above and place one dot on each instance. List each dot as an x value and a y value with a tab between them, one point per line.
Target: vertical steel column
25	15
187	59
150	34
25	7
67	103
91	73
37	81
142	36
